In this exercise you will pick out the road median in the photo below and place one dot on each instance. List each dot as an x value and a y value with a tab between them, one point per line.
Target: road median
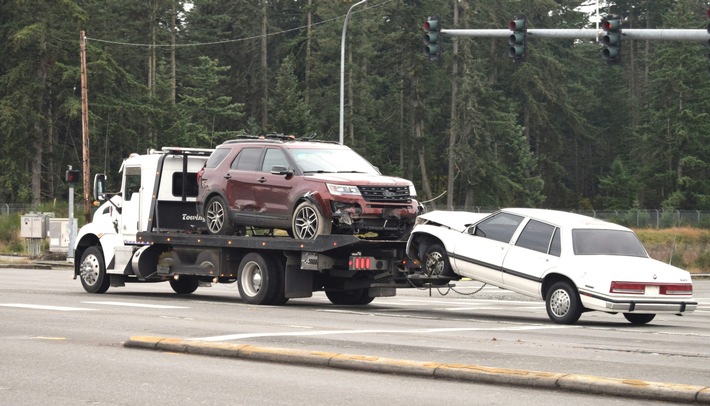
628	388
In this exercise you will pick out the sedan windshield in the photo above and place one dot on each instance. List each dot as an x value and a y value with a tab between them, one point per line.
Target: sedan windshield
331	161
607	242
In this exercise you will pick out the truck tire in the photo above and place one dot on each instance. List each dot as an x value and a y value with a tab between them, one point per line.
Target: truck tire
184	285
257	279
562	303
92	271
217	217
280	298
349	297
308	222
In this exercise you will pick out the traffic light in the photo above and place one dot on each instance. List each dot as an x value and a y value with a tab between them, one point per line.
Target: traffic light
518	40
432	38
611	40
72	176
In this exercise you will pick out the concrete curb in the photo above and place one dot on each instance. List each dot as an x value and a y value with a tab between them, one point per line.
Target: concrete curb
627	388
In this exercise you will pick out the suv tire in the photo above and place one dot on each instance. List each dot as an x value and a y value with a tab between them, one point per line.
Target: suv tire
217	217
308	222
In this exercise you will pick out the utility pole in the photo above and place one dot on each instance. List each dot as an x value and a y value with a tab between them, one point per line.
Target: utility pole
342	71
85	128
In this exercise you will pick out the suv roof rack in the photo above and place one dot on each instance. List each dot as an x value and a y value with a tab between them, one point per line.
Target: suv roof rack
276	137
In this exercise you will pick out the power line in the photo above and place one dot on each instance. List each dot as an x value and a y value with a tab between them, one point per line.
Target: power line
233	40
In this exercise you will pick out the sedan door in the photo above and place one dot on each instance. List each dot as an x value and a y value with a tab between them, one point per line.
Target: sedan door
480	252
536	250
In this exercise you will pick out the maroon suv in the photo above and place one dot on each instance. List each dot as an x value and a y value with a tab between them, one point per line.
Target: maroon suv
308	188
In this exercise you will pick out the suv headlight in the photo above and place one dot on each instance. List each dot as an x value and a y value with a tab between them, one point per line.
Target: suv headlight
412	191
342	189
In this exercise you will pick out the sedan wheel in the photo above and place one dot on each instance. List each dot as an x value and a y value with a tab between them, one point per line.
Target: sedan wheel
562	303
638	318
436	262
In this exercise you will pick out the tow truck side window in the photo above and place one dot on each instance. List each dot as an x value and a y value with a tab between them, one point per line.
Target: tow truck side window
133	182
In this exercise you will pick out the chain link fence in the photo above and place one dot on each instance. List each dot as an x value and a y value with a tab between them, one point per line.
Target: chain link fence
635	218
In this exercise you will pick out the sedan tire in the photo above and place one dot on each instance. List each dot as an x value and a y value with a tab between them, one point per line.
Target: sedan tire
639	318
563	304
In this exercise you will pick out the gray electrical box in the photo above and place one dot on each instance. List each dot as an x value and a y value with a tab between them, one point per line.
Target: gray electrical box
33	225
59	234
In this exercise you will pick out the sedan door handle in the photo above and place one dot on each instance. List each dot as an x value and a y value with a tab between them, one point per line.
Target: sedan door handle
261	179
228	176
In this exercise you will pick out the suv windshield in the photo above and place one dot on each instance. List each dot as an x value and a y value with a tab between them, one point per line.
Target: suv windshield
331	160
607	242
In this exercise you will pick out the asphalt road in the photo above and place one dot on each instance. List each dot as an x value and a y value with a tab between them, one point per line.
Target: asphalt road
63	345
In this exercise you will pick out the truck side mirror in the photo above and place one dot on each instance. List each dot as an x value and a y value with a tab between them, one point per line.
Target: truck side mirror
99	187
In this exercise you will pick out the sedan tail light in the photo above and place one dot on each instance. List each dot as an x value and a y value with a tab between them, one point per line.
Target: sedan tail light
639	288
677	289
628	288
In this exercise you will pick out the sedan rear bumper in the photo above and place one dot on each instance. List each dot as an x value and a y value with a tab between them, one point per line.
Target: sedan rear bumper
636	305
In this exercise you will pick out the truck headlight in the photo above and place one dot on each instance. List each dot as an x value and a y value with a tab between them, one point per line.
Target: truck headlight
412	191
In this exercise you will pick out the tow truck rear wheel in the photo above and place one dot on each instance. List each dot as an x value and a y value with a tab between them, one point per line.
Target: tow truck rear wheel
639	318
92	271
184	285
257	279
349	297
217	217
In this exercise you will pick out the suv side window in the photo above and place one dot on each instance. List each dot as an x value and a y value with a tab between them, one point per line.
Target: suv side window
500	227
247	159
273	157
536	236
217	157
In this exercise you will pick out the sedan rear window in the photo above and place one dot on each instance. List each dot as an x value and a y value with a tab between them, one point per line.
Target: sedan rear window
607	242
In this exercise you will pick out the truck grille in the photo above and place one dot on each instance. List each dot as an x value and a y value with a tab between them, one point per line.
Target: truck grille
385	194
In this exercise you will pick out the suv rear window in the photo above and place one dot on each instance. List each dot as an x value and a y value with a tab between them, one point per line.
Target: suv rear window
217	157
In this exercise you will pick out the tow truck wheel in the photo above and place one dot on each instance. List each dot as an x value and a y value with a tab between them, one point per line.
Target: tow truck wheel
349	297
308	222
92	271
184	285
638	318
217	217
563	304
257	279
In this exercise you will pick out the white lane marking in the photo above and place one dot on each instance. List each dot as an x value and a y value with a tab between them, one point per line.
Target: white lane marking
350	332
128	304
44	307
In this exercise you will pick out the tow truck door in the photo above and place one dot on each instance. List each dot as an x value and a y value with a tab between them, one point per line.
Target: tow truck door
131	207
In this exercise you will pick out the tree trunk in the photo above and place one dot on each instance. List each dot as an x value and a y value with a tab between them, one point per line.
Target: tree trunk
173	64
309	38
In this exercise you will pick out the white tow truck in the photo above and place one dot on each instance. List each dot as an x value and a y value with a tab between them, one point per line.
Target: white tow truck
150	231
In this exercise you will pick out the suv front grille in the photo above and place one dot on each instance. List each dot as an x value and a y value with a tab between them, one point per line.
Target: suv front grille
385	194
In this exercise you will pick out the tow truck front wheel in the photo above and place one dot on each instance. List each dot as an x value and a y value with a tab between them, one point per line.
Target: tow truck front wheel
92	271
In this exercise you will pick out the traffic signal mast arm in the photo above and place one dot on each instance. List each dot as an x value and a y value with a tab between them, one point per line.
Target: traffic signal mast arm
588	33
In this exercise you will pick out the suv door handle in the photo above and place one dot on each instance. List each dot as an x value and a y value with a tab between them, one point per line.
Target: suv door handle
228	176
261	179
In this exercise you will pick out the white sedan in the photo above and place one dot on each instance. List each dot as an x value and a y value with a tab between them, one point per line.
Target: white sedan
572	262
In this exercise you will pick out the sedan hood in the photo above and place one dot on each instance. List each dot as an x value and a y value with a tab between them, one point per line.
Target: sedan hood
359	179
456	220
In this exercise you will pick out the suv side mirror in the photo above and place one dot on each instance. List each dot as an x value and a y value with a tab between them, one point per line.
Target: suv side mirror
281	170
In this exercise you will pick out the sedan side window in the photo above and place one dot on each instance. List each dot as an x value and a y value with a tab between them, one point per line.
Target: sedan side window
499	227
536	236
